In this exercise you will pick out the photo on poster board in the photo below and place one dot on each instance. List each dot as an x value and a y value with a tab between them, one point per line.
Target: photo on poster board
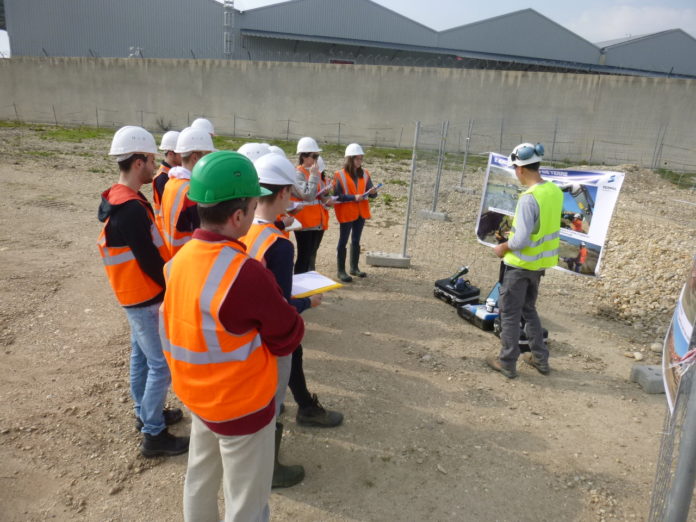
589	199
679	348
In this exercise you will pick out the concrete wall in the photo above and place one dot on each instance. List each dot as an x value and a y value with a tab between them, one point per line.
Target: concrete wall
615	119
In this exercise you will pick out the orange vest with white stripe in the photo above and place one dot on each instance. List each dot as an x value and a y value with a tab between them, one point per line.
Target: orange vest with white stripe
310	215
174	202
260	238
351	210
218	375
131	285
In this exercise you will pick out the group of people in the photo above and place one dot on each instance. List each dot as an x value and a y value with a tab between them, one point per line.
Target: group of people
205	280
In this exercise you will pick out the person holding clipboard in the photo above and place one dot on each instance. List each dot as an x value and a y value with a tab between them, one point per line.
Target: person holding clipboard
312	190
352	190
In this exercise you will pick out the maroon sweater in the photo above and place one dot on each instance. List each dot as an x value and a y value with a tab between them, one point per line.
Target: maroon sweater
256	301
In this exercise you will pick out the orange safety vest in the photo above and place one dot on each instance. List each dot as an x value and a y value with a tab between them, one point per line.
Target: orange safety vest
352	210
131	285
174	201
218	375
310	215
582	255
260	238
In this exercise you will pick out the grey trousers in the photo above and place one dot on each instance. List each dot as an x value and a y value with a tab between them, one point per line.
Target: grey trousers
518	295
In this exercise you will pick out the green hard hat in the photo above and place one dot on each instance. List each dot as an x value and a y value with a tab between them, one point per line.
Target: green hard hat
224	175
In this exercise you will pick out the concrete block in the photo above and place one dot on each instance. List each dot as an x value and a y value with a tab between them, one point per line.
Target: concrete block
388	260
438	216
649	377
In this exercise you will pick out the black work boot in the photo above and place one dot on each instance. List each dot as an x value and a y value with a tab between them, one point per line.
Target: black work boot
284	476
341	261
171	416
164	444
354	260
316	415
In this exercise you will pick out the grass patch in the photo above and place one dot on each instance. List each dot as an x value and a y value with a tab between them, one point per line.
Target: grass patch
40	153
680	179
400	182
75	134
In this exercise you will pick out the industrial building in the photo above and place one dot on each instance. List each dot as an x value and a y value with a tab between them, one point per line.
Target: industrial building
329	31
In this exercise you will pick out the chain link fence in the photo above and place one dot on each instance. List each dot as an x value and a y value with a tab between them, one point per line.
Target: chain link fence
567	141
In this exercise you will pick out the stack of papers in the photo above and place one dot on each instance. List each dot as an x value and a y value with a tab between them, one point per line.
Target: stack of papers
310	283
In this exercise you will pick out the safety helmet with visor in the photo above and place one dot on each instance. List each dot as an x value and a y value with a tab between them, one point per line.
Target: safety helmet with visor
526	154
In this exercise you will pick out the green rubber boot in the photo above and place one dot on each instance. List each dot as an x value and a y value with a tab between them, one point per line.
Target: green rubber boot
354	260
341	274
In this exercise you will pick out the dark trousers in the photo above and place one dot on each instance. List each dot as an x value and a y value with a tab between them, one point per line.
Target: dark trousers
298	384
518	295
353	228
308	242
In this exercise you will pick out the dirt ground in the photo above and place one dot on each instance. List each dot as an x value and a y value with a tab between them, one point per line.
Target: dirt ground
430	433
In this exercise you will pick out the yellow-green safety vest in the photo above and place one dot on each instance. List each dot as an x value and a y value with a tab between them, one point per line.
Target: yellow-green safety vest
542	252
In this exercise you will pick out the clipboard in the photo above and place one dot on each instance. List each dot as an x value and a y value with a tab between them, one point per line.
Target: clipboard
311	283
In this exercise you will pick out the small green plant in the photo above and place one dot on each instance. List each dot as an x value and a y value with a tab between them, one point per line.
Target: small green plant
74	134
400	182
387	199
680	179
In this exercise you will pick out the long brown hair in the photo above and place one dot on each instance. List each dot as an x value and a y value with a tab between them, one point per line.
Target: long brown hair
349	168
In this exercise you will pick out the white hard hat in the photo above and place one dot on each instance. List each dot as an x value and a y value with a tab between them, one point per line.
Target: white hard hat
204	125
307	144
274	169
577	216
526	153
254	151
191	140
129	140
169	140
277	150
320	164
354	150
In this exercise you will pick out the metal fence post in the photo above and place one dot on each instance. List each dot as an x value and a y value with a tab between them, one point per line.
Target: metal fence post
680	495
466	152
410	189
440	161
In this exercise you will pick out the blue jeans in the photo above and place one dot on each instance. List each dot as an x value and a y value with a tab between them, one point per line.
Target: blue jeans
344	232
149	373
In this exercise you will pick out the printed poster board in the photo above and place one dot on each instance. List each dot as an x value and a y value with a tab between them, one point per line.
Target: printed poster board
589	198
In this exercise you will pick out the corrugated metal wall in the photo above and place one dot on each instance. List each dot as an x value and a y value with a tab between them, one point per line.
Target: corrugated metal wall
348	19
522	33
108	28
670	51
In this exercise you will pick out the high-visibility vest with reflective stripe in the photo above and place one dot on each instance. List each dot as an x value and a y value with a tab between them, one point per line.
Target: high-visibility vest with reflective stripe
260	238
310	215
352	210
543	251
173	204
218	375
131	285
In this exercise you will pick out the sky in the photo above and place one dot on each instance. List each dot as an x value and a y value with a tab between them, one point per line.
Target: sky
594	20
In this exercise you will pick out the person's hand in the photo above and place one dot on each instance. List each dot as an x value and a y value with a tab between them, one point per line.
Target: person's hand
329	202
358	197
315	300
314	170
373	190
287	220
501	249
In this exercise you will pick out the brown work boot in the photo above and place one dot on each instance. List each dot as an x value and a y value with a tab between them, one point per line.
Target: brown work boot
542	368
494	362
